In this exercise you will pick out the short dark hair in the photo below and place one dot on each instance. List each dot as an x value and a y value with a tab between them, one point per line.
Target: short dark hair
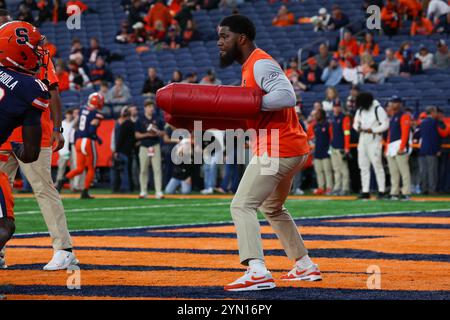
149	102
240	24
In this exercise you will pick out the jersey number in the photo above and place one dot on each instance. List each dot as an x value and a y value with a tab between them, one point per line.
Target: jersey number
22	36
82	125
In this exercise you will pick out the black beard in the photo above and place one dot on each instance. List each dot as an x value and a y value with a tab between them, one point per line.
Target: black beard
229	57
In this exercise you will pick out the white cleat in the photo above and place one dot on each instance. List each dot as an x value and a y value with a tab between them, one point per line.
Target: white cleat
310	274
61	260
252	281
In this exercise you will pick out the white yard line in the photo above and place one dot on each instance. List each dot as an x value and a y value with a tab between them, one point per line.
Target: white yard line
227	222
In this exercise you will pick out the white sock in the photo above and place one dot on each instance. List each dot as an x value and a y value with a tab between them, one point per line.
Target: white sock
257	265
304	263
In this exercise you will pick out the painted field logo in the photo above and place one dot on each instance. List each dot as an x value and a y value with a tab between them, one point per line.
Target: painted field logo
74	280
374	280
374	20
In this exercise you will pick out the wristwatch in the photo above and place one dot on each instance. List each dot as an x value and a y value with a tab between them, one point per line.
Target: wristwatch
58	129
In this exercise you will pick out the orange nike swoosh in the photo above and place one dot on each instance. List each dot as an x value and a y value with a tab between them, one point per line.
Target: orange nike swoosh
300	273
257	278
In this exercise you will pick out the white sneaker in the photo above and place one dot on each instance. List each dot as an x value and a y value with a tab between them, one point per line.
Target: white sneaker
3	258
310	274
299	192
142	195
252	281
159	195
207	191
61	260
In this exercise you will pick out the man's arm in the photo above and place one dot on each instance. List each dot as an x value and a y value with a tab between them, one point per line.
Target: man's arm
32	134
55	108
272	80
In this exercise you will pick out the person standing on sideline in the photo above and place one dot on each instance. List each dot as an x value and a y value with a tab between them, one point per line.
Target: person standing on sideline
148	131
429	151
398	149
340	150
64	153
320	131
263	187
371	120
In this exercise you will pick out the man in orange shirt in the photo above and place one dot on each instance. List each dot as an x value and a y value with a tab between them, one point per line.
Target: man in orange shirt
421	26
280	151
158	12
38	173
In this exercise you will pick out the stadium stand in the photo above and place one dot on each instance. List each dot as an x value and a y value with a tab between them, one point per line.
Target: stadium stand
283	43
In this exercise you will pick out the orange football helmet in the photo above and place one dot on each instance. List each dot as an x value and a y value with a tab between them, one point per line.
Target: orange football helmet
96	100
21	47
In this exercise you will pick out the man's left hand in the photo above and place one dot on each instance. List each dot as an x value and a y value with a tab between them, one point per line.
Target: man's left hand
59	139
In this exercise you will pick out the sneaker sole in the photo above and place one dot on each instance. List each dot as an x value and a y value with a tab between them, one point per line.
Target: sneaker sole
255	287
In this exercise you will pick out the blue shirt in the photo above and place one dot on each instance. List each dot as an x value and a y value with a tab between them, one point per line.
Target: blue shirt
22	100
322	140
430	139
332	77
142	126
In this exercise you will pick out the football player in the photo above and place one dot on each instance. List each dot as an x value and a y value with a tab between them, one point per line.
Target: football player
23	98
85	138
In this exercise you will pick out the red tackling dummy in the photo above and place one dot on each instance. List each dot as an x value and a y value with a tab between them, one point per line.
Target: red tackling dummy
184	100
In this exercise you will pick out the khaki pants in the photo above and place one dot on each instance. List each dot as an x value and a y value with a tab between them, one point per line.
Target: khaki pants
340	170
144	161
39	175
266	190
62	165
324	173
399	168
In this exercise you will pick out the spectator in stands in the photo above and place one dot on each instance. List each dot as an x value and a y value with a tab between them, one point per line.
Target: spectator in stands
421	26
45	11
296	82
441	59
368	45
210	78
358	74
425	57
349	43
324	56
25	14
320	132
119	93
76	49
78	78
410	64
345	58
100	72
207	4
321	21
63	77
398	149
312	73
436	9
152	84
59	11
123	35
139	34
283	18
340	150
293	67
104	91
191	78
338	19
411	8
135	12
390	19
389	67
331	99
430	148
317	105
95	50
332	75
122	147
189	33
184	16
177	76
173	39
158	12
149	129
158	35
443	25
